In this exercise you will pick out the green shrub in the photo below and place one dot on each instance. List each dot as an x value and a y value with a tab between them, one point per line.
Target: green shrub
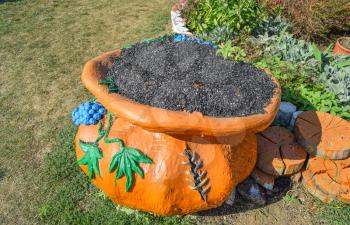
315	19
320	66
228	51
204	16
218	35
299	89
272	25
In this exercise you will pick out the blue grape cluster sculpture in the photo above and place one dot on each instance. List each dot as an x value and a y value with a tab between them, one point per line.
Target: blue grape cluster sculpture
182	37
88	113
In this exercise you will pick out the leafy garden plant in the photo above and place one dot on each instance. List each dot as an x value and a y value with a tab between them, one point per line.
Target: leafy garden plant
231	52
225	50
234	16
218	35
311	78
321	66
301	91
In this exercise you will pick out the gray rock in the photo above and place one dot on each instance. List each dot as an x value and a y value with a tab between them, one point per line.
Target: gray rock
251	191
285	113
294	118
231	199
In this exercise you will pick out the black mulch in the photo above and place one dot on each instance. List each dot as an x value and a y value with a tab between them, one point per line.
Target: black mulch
187	76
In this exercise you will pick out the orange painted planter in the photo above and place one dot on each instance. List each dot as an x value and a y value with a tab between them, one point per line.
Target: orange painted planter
225	149
339	49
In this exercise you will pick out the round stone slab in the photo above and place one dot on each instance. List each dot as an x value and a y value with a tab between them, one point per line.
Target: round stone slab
331	177
312	189
323	134
337	170
293	156
324	183
278	152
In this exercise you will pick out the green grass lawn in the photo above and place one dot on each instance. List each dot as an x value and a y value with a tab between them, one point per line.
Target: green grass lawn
43	47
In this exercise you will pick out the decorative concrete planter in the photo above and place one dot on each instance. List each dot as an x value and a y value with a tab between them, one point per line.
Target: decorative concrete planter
162	161
179	23
340	49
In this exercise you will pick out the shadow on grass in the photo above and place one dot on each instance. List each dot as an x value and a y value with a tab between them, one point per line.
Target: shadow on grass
2	174
4	1
283	185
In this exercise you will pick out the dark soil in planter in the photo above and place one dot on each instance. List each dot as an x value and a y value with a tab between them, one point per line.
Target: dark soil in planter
345	42
187	76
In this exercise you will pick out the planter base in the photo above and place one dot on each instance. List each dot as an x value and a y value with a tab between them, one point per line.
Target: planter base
188	173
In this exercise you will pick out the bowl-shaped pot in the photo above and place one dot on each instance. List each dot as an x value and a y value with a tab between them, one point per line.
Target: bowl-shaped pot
167	121
196	160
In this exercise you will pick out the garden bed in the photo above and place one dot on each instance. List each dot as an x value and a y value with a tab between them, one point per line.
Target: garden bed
188	76
164	86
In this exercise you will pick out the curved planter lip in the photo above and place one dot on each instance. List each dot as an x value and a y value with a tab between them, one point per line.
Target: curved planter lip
167	121
339	48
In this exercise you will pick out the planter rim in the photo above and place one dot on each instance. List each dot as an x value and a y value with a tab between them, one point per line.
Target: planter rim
341	46
167	121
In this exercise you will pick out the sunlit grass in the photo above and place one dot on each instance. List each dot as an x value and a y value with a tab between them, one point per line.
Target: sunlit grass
43	47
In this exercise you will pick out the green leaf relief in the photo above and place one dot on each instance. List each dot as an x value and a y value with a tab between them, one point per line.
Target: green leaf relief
112	88
126	162
90	158
105	82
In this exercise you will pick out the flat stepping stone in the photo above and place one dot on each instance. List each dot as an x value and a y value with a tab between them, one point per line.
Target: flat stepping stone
328	186
337	170
316	165
324	135
278	152
312	189
330	178
264	179
340	176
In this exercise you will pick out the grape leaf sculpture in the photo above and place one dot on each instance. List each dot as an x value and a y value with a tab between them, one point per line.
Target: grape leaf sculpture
126	161
90	158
